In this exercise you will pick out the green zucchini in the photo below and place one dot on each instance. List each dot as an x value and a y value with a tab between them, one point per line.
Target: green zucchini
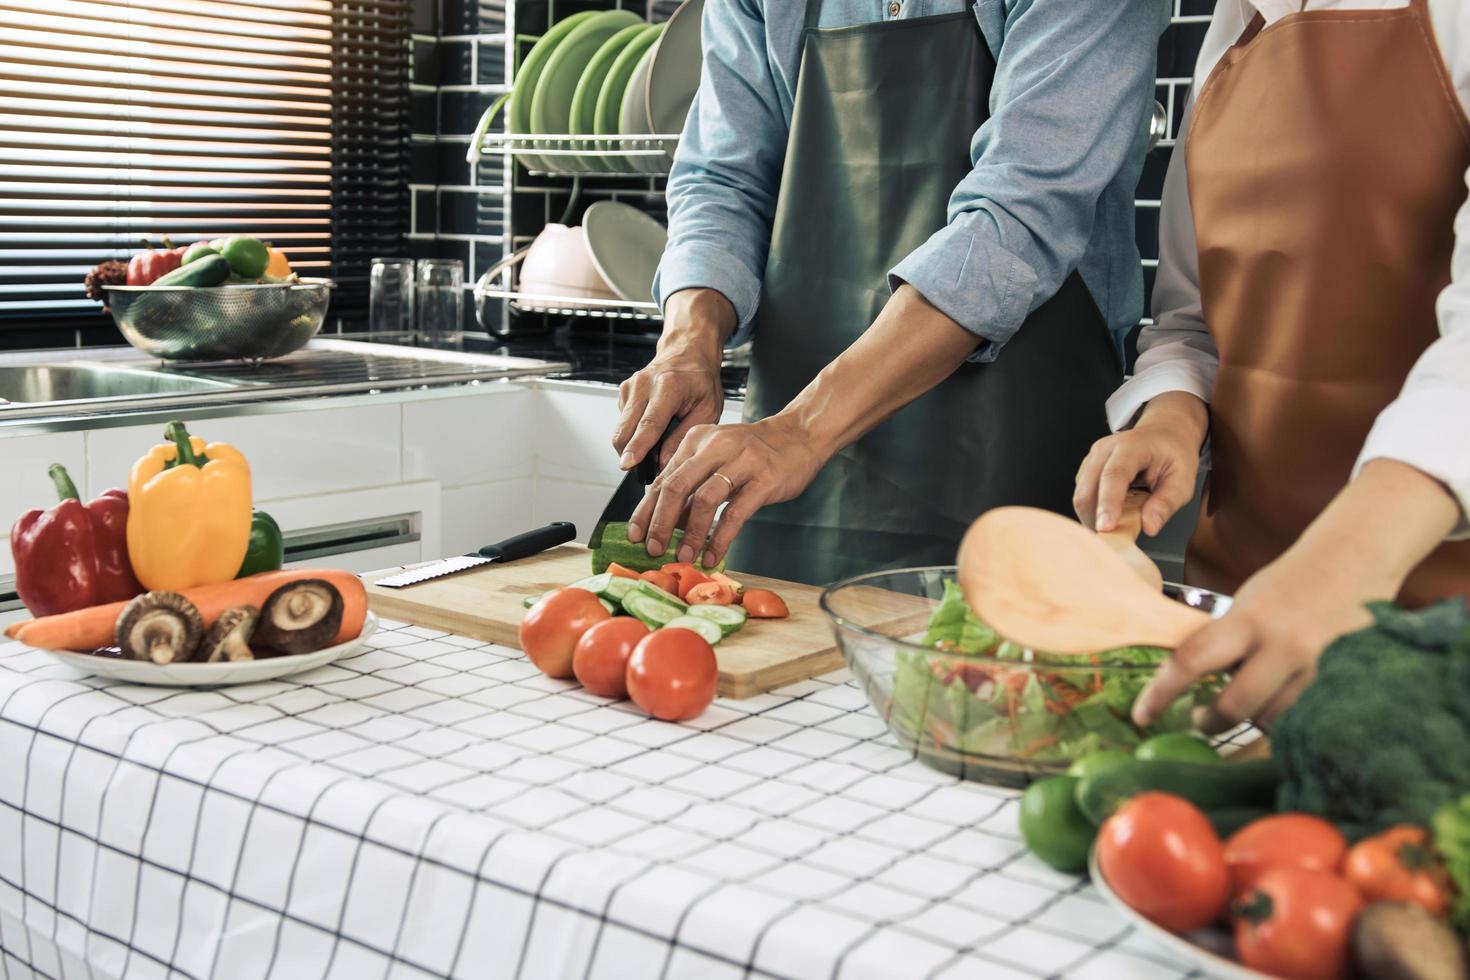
209	270
1208	785
616	547
652	611
708	630
728	618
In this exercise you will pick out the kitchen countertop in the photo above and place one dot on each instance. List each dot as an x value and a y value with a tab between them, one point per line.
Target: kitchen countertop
435	806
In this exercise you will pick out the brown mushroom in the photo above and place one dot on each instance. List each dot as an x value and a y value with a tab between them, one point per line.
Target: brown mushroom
300	617
229	637
1400	941
162	627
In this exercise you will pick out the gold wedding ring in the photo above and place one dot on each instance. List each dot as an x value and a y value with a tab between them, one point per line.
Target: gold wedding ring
727	480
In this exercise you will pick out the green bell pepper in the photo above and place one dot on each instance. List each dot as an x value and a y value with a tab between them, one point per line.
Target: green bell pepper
267	549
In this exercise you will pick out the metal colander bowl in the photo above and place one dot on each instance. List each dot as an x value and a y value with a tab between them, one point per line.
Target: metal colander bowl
212	323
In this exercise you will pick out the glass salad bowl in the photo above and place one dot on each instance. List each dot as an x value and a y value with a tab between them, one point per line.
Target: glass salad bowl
972	705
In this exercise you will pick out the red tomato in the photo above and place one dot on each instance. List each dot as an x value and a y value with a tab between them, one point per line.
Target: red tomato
672	674
1296	839
662	579
1159	854
711	594
686	576
619	571
553	626
764	604
600	659
1297	924
1399	866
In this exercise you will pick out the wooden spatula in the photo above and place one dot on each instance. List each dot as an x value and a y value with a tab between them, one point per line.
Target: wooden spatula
1123	539
1050	584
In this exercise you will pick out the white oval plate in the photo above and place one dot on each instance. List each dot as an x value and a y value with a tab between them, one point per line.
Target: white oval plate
1209	949
625	245
212	675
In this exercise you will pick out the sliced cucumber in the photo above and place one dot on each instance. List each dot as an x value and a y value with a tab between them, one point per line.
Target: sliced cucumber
612	607
649	589
653	611
607	586
616	547
728	618
708	629
530	600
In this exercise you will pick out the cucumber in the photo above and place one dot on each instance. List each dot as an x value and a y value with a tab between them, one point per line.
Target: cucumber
652	611
728	618
530	600
616	547
649	589
612	608
710	631
209	270
606	586
1208	785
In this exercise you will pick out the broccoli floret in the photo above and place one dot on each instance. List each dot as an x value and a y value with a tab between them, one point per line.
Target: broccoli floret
1383	734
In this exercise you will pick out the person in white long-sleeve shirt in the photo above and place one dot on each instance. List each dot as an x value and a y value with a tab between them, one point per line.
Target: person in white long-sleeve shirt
1311	337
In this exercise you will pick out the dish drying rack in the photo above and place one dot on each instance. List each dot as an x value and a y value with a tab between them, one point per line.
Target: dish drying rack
499	284
582	155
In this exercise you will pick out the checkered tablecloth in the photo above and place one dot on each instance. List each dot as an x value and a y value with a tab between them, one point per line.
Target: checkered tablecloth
435	806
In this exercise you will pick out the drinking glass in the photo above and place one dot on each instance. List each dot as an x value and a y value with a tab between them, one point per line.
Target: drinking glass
390	296
440	295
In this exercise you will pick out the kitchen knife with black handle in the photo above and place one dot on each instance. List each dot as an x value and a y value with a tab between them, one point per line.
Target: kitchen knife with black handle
520	546
630	492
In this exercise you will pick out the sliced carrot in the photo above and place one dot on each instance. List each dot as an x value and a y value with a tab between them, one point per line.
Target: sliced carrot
711	594
662	579
764	604
619	571
93	627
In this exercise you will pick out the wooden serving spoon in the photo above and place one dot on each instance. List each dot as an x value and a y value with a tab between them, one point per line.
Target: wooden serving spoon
1123	539
1048	583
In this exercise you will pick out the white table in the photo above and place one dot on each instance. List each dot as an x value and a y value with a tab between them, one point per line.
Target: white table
435	806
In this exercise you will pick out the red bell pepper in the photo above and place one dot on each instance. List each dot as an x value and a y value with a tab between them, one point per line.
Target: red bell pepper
73	556
147	266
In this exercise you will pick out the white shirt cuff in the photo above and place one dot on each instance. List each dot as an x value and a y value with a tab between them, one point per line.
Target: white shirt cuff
1151	382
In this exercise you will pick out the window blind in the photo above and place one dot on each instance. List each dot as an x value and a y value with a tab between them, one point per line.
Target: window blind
129	119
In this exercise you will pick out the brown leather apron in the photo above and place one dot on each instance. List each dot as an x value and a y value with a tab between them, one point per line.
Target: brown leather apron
1326	162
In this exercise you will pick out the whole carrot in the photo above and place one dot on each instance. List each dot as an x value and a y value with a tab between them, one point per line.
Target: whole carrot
93	627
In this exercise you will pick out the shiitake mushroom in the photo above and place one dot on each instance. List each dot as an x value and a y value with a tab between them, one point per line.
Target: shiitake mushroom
162	627
229	637
300	617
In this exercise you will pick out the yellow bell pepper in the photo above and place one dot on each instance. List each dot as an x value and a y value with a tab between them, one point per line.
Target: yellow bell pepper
189	512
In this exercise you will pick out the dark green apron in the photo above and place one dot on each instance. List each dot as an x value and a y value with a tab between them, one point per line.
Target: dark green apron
880	135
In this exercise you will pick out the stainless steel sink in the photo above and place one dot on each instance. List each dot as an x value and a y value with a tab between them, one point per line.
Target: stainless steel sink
26	383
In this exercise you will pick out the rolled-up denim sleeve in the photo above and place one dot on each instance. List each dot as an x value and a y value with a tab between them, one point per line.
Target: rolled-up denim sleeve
1073	83
727	171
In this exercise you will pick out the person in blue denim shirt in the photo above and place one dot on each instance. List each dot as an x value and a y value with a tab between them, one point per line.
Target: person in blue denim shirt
920	212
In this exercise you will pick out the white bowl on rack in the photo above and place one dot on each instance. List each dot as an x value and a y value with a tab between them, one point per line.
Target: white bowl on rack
559	266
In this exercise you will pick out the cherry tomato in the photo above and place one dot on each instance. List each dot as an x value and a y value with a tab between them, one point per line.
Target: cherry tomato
619	571
711	594
553	626
764	604
686	577
1295	839
662	579
600	658
1159	854
1398	865
672	674
1297	924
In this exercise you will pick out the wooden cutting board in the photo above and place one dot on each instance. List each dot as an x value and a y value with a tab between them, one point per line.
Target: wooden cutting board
488	604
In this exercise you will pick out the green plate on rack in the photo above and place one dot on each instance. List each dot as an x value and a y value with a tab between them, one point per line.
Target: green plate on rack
551	106
584	99
610	98
529	73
